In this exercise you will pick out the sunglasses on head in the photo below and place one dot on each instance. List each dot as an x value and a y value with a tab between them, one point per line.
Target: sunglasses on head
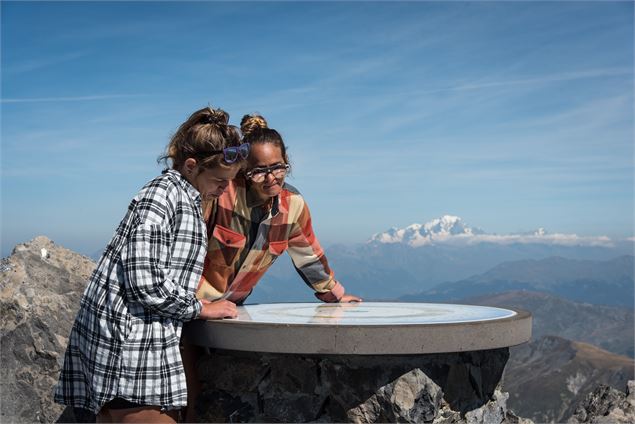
233	153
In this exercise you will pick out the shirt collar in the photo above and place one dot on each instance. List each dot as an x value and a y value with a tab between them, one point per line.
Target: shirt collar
253	200
185	184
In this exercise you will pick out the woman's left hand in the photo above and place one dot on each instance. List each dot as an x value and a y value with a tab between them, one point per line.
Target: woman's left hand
350	298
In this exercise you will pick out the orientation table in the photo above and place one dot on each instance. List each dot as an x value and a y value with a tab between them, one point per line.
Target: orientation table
366	328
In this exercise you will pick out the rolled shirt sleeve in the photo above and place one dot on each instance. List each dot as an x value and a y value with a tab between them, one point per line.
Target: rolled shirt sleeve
310	262
148	279
332	296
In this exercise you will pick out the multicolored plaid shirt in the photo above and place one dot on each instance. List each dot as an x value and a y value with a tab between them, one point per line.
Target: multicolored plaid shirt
125	339
246	237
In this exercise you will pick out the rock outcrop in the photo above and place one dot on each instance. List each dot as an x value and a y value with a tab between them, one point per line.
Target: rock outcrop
607	405
40	287
555	374
415	398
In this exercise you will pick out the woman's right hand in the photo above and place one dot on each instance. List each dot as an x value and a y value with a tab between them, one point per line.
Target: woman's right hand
218	309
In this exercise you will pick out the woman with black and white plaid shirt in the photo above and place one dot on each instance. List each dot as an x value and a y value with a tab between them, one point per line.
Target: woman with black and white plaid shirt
123	361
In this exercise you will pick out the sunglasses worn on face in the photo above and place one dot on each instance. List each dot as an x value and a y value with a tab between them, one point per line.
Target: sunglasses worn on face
258	175
233	153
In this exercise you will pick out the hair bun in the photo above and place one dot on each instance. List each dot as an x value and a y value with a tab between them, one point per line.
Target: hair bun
251	123
215	116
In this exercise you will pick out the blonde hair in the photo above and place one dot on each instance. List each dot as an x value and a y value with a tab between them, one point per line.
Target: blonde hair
205	131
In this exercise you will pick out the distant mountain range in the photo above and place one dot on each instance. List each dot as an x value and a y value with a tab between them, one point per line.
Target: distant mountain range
608	327
418	258
393	271
599	282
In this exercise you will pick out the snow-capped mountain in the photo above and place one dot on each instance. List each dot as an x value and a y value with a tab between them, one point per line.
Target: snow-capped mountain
452	229
417	234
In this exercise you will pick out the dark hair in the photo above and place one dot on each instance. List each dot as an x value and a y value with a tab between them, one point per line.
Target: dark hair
205	131
256	131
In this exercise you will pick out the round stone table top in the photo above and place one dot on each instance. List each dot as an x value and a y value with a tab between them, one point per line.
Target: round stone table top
366	328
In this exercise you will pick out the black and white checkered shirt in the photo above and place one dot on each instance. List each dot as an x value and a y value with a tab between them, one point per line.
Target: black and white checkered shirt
125	339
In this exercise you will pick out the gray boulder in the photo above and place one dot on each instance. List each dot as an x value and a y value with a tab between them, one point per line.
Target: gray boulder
415	398
607	405
40	287
411	398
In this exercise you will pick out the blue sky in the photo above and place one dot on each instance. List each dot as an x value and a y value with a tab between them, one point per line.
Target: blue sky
511	115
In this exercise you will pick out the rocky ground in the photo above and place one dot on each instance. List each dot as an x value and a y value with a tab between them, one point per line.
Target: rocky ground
415	398
605	405
40	287
547	378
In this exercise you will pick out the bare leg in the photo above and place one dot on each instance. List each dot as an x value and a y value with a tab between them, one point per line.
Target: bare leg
144	414
190	354
104	416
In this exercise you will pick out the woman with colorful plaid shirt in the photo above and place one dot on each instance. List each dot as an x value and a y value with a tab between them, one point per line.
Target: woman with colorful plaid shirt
256	220
123	361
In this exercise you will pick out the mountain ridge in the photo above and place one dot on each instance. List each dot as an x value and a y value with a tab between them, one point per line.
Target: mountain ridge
609	282
557	374
608	327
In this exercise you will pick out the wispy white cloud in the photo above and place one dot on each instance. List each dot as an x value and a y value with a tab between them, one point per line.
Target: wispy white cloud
595	113
68	98
42	62
485	96
556	239
79	171
417	107
541	79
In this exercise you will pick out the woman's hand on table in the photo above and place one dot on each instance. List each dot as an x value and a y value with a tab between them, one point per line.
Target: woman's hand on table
350	298
218	309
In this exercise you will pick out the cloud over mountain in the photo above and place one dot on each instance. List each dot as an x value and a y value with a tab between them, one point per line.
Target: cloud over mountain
450	229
